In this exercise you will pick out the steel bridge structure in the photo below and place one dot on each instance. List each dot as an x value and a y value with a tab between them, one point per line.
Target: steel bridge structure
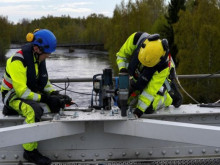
86	135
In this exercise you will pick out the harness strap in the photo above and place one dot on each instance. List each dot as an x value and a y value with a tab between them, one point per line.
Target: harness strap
134	58
166	86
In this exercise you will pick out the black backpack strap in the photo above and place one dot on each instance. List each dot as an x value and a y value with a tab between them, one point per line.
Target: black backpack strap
134	58
144	78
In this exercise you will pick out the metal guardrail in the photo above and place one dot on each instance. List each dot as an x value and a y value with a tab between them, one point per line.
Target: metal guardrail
88	79
63	80
199	76
66	45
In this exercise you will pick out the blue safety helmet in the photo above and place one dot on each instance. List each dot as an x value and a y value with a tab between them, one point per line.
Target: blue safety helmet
46	40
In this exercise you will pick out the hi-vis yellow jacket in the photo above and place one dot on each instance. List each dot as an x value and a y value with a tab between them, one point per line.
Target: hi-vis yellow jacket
159	83
14	83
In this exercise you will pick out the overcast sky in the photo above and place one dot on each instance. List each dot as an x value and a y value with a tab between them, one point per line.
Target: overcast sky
15	10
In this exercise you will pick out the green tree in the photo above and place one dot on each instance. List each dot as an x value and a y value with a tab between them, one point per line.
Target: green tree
4	38
95	28
129	18
172	17
197	38
65	28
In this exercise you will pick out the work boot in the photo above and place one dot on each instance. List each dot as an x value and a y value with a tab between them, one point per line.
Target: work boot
36	157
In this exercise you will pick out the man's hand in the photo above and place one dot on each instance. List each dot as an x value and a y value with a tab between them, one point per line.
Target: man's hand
137	113
54	102
67	100
123	70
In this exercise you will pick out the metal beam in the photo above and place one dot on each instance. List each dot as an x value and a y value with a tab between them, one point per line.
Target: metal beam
165	130
15	135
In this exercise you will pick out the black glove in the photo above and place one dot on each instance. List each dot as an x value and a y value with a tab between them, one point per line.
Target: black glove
138	112
53	101
123	70
175	95
55	93
132	87
172	75
65	98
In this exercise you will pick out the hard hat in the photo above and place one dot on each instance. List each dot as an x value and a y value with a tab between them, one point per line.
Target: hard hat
43	38
151	52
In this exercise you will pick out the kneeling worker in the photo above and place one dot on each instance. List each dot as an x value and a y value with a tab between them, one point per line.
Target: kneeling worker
26	89
147	60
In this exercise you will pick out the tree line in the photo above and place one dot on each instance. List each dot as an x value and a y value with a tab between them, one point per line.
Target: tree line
191	27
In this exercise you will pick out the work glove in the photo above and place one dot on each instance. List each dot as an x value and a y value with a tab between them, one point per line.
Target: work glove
123	70
137	113
172	75
175	95
53	101
132	87
67	100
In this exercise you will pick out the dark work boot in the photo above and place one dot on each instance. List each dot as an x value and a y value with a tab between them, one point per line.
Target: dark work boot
36	157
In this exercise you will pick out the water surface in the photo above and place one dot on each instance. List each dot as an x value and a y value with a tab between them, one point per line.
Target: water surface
79	64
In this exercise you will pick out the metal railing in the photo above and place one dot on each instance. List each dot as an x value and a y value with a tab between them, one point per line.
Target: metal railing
88	79
83	45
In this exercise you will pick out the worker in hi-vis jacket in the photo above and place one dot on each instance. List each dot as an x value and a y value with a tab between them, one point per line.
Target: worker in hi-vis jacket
26	89
147	60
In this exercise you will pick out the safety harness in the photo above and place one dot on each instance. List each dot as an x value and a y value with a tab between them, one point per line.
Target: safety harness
144	75
34	83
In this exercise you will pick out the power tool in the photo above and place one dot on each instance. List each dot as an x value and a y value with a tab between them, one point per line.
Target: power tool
106	89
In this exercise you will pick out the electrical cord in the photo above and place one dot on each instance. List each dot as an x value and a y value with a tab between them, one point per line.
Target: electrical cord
187	92
67	85
65	89
176	77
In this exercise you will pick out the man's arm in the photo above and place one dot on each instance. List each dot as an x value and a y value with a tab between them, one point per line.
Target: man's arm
19	81
49	88
124	54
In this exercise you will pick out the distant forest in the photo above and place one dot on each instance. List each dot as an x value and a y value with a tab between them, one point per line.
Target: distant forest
191	27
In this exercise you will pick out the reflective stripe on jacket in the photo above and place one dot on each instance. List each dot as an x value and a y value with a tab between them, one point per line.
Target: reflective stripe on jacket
149	95
18	79
150	92
127	49
14	83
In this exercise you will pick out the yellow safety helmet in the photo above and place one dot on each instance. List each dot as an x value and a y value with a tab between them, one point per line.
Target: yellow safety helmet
151	52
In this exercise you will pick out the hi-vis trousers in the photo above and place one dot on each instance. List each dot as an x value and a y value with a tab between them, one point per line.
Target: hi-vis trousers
32	111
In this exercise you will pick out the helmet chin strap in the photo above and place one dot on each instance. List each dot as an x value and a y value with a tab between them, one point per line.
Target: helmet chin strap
37	53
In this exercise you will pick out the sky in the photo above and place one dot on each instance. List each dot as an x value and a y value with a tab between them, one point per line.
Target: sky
16	10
